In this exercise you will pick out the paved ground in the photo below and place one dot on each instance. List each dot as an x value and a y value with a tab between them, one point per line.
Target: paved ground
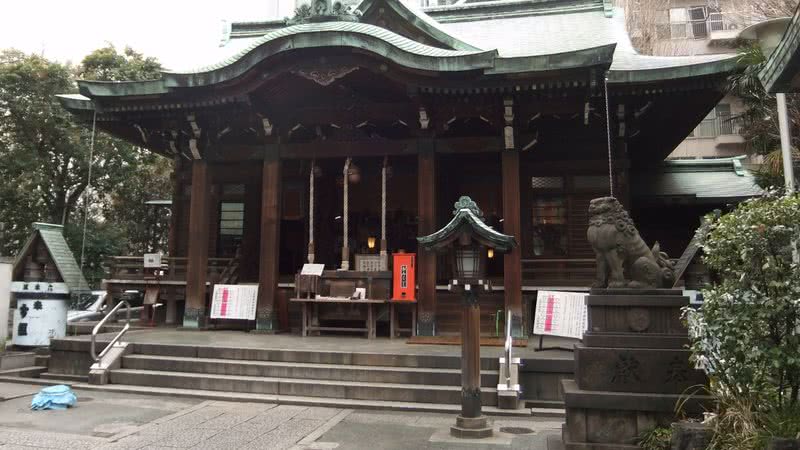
104	420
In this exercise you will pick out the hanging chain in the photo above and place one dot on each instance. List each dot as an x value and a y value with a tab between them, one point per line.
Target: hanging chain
608	132
86	192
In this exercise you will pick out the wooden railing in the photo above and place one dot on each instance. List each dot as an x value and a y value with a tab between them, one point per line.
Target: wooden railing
132	268
578	272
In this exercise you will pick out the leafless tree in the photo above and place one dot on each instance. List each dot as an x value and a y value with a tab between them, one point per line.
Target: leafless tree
648	25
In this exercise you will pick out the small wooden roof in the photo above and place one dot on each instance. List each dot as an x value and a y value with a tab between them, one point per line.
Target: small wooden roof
52	237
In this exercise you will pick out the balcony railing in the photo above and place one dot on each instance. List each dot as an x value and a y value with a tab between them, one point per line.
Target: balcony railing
132	268
712	26
717	126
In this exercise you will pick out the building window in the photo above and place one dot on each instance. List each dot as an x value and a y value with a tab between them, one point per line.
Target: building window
549	219
231	228
718	122
726	122
692	22
678	23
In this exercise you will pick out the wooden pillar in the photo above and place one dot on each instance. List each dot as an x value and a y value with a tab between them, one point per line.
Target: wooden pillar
470	356
176	210
195	315
175	207
512	261
426	261
267	310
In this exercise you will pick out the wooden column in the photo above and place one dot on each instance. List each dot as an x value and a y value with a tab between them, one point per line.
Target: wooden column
267	310
195	315
176	210
512	261
426	261
175	207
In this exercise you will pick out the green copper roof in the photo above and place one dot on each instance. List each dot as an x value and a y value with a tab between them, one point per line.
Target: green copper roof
362	36
52	237
562	27
467	218
781	72
418	19
536	35
701	180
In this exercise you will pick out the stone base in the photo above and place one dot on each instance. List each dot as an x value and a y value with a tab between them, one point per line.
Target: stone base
508	399
266	325
426	328
194	319
631	370
471	428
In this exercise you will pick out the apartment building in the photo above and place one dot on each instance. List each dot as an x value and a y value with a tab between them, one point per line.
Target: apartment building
697	27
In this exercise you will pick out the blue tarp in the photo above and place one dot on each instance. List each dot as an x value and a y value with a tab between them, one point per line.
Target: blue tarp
54	397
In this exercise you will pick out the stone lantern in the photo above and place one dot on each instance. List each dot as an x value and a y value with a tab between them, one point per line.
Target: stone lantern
467	238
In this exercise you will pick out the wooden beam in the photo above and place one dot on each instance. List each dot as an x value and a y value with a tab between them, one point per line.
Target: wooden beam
426	260
512	261
195	315
268	309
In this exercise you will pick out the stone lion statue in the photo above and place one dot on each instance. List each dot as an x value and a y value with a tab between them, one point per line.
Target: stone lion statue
623	259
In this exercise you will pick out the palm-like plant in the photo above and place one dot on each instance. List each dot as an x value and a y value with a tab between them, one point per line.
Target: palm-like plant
759	121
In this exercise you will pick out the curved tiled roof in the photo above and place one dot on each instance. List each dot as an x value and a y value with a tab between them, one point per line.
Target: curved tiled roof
364	36
541	32
356	28
782	67
548	35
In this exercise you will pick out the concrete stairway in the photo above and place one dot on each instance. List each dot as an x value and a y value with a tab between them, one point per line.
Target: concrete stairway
333	375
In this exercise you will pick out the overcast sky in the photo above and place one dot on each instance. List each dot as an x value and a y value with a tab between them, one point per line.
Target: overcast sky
180	33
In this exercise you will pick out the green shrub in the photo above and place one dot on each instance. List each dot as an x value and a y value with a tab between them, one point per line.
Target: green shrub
745	334
656	439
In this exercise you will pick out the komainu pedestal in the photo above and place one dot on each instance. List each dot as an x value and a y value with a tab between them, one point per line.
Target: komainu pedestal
631	369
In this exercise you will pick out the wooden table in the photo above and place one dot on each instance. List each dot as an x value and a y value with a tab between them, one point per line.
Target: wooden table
369	327
394	328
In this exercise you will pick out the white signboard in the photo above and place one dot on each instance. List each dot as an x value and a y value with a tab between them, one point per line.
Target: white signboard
312	269
234	301
561	314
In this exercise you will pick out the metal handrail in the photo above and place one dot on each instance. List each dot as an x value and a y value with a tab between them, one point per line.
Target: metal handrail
509	345
119	335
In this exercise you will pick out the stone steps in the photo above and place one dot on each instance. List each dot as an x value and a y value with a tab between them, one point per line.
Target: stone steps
25	372
64	377
352	390
308	356
315	371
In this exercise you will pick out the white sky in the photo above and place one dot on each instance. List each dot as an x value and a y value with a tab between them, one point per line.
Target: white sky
182	34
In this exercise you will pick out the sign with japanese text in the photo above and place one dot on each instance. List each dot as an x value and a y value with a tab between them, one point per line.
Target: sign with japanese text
561	314
234	301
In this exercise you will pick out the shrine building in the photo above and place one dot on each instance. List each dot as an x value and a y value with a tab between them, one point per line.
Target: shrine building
339	136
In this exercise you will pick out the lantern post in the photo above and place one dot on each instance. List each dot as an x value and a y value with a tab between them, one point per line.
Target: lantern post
467	237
